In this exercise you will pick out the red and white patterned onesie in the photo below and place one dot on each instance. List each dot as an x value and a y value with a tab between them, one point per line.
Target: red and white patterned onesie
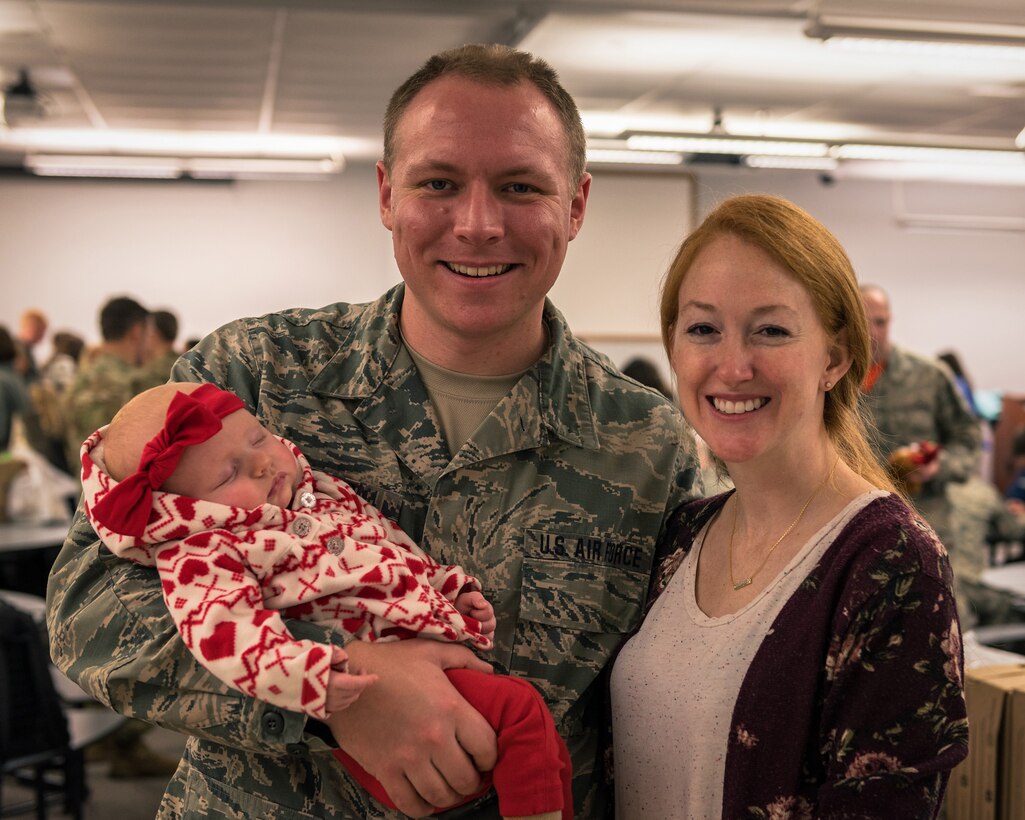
230	577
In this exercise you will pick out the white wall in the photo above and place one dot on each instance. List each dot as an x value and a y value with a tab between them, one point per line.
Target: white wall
209	252
212	252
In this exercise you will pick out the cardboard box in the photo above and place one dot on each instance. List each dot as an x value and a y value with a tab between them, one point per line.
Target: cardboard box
988	784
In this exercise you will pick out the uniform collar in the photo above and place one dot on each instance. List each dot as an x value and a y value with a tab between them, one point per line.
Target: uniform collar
371	345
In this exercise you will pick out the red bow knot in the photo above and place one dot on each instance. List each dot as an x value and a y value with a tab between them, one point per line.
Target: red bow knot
191	419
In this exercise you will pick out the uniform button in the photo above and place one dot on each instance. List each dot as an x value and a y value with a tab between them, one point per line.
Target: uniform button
301	527
273	723
307	500
335	544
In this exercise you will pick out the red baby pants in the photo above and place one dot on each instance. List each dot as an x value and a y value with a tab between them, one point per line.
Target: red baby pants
533	772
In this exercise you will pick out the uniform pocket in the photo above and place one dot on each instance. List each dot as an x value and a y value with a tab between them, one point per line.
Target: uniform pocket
583	597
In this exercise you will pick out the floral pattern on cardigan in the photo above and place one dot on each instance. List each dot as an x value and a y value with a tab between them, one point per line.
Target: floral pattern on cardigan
853	706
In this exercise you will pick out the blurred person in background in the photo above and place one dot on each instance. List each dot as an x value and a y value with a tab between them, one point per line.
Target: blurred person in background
47	395
61	367
31	330
106	379
14	400
923	427
646	372
160	354
110	375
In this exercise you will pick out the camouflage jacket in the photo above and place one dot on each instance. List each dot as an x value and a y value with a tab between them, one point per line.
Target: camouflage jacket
556	504
915	399
99	390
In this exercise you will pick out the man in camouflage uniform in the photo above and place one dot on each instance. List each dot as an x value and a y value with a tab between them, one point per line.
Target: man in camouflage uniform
160	355
461	404
103	383
108	377
911	399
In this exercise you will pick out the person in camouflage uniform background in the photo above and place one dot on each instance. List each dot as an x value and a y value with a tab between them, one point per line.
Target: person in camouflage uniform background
554	497
914	399
159	354
108	376
105	380
979	518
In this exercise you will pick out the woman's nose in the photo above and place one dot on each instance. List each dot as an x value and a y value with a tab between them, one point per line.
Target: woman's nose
736	364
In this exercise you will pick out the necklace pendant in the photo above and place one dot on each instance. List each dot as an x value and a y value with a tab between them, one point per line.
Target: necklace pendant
741	584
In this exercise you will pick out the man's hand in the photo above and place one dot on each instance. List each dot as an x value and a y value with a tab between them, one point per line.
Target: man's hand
412	730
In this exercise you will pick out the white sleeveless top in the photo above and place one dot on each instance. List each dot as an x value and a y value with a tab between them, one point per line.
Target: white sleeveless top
676	681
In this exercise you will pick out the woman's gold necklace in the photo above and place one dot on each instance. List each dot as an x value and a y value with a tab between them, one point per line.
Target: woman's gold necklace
738	585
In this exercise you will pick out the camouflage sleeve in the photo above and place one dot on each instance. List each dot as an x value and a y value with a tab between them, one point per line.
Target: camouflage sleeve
959	433
111	633
687	487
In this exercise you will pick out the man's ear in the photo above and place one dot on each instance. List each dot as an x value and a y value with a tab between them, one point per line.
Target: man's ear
578	206
384	194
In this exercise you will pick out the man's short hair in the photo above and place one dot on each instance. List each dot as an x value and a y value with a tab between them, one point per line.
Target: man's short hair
166	325
498	65
119	316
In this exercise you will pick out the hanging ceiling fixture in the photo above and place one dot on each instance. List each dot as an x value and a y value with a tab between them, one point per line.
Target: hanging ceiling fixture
22	101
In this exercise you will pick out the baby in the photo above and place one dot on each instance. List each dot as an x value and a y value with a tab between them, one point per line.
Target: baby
244	533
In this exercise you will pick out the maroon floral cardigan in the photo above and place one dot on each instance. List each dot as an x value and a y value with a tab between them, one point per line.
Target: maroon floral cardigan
853	706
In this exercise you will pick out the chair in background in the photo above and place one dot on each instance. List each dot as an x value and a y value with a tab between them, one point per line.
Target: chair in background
46	721
35	746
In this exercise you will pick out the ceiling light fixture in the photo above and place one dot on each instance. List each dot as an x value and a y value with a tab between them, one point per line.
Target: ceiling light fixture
793	163
727	144
174	143
624	156
967	37
154	167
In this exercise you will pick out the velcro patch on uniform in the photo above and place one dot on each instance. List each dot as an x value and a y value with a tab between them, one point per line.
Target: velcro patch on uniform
590	549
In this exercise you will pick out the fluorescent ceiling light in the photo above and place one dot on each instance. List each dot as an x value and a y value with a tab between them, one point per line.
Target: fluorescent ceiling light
245	168
1007	37
925	171
627	157
707	144
919	153
102	166
793	163
190	143
152	167
922	48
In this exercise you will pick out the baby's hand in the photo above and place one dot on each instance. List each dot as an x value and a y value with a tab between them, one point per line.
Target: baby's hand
476	606
342	687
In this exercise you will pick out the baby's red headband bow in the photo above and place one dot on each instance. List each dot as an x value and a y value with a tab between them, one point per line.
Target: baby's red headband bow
191	419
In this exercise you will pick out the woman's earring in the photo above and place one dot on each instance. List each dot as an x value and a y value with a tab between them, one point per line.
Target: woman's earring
828	385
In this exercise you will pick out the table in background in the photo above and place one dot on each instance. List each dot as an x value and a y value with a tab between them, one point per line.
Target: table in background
27	551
